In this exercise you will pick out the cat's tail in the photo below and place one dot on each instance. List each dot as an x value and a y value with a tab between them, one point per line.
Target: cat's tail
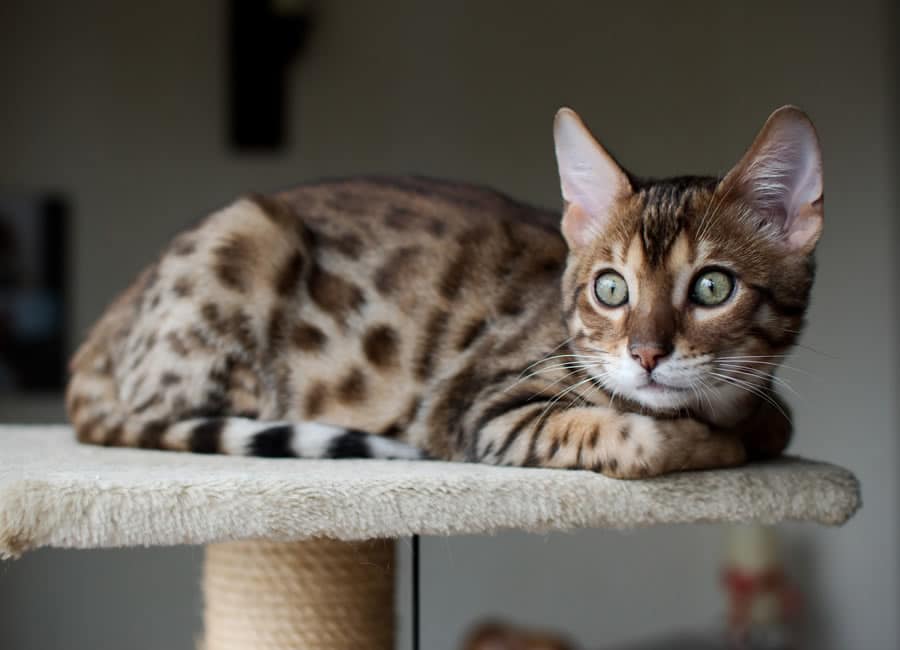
239	436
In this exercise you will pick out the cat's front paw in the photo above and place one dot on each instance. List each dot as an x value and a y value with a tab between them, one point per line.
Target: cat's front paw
648	447
636	450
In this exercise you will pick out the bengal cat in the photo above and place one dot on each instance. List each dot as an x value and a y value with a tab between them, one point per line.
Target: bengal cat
407	318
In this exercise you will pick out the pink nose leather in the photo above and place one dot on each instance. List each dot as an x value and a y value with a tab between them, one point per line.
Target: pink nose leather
648	355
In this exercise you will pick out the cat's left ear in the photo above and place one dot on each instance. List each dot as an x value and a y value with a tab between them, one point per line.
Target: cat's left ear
780	176
592	182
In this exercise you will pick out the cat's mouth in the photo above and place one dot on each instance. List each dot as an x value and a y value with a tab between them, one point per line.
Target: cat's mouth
659	387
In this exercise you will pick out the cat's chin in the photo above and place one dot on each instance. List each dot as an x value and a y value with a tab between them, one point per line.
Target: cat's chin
657	397
668	400
662	397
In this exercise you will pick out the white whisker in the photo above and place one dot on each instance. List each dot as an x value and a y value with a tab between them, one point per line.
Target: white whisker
750	388
753	361
562	394
560	356
749	372
705	390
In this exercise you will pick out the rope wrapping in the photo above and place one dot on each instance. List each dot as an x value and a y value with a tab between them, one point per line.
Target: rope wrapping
312	595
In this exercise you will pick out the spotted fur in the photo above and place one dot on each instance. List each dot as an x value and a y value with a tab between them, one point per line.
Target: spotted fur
409	317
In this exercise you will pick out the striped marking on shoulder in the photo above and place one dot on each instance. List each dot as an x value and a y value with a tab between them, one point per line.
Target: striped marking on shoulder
454	276
472	331
435	329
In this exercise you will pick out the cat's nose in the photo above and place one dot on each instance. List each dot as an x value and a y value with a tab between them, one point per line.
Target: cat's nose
648	354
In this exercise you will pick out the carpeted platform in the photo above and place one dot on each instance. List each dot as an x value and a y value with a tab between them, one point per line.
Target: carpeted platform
55	492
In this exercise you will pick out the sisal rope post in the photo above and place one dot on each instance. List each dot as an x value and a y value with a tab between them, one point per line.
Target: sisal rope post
312	595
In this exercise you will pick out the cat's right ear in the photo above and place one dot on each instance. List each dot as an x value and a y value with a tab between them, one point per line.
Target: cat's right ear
591	181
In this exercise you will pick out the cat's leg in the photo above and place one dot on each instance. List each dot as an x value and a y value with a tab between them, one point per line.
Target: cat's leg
621	445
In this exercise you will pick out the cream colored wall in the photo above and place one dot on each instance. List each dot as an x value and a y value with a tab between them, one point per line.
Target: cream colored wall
120	105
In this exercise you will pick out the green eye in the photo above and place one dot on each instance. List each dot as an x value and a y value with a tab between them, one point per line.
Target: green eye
712	287
611	289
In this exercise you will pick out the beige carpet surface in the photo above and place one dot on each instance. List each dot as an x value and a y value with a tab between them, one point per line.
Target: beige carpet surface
55	492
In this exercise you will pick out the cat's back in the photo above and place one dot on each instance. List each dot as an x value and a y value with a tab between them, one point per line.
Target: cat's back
347	242
387	209
424	246
405	276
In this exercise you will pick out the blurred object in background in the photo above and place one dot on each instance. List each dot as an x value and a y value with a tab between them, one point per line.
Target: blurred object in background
762	604
32	293
762	607
265	39
498	636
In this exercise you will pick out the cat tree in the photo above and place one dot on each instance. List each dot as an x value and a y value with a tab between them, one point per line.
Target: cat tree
298	552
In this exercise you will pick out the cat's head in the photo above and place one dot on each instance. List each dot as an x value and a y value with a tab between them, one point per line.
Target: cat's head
685	293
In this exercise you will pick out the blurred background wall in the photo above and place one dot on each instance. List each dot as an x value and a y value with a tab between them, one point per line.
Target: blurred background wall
122	107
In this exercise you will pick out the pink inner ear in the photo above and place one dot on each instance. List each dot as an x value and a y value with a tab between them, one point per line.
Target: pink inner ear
577	227
590	180
781	176
806	226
